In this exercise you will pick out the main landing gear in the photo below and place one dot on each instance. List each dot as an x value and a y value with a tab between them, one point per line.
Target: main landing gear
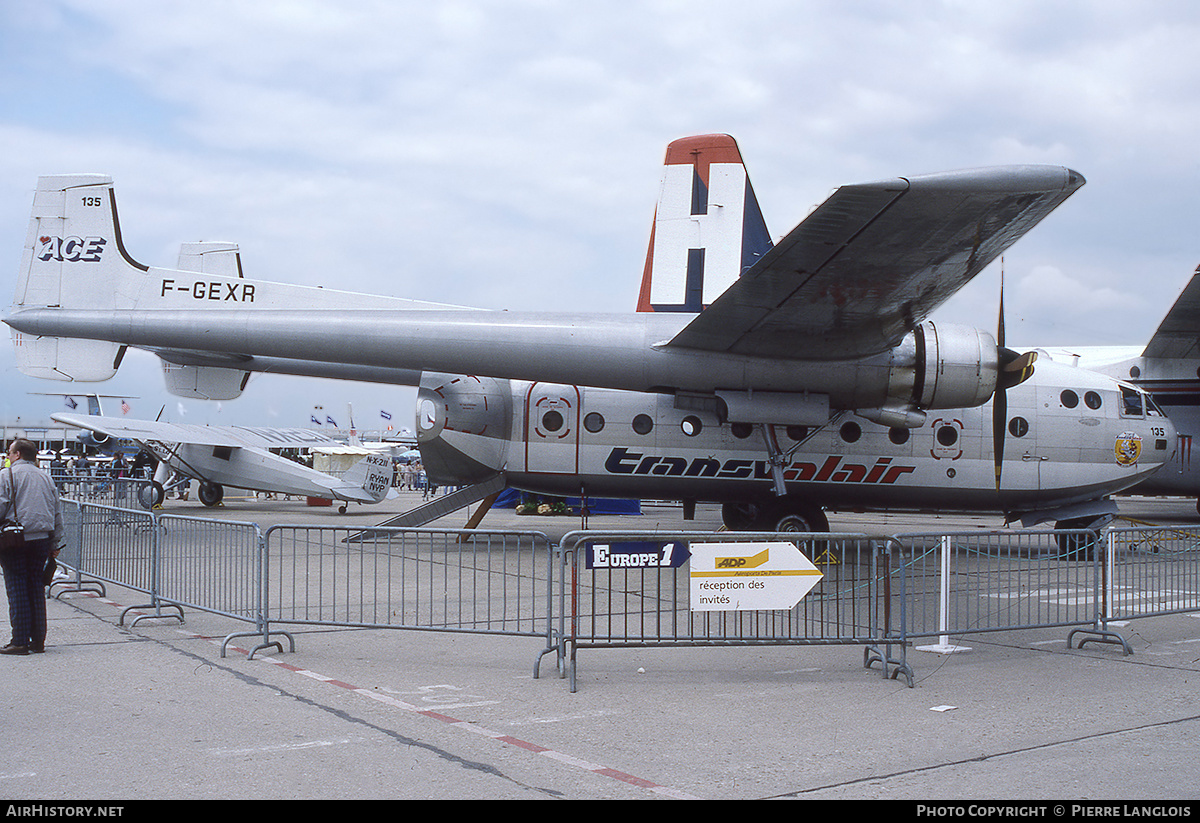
783	514
1086	538
211	494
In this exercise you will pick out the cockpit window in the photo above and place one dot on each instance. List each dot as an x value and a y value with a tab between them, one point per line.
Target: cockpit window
1131	403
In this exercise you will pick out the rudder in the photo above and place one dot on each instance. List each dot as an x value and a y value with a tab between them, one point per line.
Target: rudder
708	227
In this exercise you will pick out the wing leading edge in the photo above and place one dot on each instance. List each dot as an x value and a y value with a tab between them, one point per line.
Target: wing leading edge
146	431
874	260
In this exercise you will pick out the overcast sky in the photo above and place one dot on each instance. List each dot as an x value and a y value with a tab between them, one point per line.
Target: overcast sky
508	154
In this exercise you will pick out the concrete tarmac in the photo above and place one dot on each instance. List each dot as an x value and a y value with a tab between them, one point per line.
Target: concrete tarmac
152	711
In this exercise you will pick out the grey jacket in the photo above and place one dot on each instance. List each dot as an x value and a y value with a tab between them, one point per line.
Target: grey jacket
37	501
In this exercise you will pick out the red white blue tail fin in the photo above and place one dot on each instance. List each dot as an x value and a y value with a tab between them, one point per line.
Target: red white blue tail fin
708	227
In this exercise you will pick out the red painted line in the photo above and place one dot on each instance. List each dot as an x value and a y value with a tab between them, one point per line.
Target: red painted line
521	744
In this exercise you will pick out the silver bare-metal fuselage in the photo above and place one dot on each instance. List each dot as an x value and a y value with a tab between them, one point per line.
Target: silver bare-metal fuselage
1072	436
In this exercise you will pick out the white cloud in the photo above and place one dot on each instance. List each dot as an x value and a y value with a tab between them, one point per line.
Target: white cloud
506	154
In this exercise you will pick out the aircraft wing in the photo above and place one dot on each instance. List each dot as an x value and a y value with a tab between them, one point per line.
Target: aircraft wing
874	260
144	431
1178	336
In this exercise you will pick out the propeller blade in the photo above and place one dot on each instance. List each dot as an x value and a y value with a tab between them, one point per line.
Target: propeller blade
1015	368
999	423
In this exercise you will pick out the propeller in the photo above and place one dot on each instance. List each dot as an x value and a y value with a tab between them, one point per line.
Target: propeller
1015	369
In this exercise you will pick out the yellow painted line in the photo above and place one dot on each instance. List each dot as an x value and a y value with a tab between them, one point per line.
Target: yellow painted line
761	573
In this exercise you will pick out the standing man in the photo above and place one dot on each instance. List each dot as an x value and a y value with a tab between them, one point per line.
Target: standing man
28	495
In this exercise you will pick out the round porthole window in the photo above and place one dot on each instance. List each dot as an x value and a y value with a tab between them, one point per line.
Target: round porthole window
898	436
1069	398
850	432
691	425
552	421
643	424
1092	400
594	422
947	435
1018	427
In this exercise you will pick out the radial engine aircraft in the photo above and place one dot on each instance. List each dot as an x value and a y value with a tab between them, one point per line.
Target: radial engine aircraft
239	457
774	378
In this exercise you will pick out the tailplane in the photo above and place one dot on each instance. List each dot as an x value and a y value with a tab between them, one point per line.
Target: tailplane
373	474
708	227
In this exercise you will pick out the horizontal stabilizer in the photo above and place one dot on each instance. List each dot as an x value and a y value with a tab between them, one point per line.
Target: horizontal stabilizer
372	474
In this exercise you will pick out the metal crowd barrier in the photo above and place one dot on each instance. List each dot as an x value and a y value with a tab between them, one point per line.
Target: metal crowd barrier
649	605
119	492
883	594
974	582
178	562
467	581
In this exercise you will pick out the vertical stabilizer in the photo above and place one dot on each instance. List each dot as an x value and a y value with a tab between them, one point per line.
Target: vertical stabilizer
708	227
71	259
207	382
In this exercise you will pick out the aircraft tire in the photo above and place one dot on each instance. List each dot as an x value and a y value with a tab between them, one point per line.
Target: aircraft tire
151	495
742	516
211	494
804	518
783	515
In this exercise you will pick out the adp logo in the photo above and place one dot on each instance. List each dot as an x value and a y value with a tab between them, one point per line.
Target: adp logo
751	562
71	249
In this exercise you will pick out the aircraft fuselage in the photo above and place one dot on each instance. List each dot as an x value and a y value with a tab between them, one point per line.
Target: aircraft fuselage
1072	436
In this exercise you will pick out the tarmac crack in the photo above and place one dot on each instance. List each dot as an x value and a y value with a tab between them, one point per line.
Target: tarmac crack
983	758
347	717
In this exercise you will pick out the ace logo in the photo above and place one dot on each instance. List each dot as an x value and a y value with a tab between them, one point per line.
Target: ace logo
71	249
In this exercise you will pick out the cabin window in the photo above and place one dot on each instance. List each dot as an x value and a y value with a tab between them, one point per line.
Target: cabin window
899	436
1092	400
850	432
797	433
1069	398
643	424
691	425
552	421
1018	427
741	430
947	435
594	422
1131	403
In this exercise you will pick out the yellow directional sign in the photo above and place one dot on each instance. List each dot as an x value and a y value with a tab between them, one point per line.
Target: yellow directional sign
749	576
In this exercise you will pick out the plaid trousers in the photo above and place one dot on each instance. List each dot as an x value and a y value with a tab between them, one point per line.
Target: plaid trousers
23	569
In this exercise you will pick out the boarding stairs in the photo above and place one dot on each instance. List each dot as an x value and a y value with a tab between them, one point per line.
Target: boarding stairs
445	504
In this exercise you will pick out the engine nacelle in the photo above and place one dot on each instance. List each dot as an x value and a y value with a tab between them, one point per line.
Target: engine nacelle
943	366
94	440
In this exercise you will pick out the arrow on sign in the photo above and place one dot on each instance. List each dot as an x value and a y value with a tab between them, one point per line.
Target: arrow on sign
749	576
